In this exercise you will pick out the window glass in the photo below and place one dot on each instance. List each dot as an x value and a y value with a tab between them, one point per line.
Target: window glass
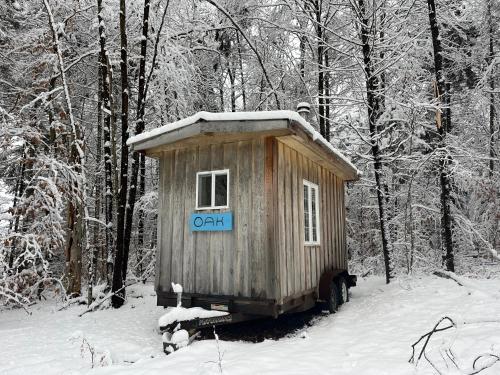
204	190
313	215
306	213
221	190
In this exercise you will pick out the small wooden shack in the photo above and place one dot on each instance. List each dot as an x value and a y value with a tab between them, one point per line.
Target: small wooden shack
251	215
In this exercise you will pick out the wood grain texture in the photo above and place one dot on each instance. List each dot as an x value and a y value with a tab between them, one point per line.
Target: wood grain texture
264	256
301	266
219	263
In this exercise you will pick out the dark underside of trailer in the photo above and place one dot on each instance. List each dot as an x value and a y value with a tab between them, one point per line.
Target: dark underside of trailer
246	308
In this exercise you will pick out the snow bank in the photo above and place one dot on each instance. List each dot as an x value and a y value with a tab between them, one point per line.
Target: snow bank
181	314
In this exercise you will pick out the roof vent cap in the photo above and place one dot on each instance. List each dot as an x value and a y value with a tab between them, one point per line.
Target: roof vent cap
304	108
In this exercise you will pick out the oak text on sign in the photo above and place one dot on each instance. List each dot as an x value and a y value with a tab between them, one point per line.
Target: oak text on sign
211	221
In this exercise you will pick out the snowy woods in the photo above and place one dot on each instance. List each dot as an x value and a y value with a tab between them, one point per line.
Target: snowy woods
409	90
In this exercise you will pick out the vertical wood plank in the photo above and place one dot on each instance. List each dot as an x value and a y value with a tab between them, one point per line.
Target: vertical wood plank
287	216
337	224
160	224
312	273
330	222
216	251
228	242
334	221
258	244
322	223
272	269
202	239
328	231
300	177
296	201
166	214
307	249
343	221
281	220
178	222
189	257
244	200
276	224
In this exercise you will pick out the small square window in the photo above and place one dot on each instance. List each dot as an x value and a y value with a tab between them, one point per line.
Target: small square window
212	189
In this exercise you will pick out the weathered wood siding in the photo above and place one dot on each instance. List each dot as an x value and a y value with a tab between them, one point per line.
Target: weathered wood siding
299	267
264	256
232	263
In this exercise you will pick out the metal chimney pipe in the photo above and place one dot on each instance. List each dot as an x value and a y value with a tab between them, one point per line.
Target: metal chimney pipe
304	108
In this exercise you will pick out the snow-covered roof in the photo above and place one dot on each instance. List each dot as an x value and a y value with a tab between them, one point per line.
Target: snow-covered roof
140	141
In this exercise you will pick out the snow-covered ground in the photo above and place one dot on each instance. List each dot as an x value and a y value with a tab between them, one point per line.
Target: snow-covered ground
372	334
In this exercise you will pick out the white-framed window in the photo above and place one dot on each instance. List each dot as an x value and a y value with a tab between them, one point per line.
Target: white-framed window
311	213
212	189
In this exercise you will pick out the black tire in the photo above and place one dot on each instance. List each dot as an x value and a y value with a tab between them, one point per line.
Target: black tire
343	291
332	303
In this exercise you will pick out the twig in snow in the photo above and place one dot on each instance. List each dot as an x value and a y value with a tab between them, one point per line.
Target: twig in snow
220	354
464	282
428	336
493	359
448	275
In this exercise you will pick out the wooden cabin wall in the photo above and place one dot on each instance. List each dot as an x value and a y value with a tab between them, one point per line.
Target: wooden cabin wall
218	263
299	266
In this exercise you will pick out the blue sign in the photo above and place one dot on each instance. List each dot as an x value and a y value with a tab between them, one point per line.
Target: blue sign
211	222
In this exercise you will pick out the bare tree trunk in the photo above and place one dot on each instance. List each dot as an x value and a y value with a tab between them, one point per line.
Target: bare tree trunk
232	78
443	127
77	210
252	47
114	121
20	185
491	54
321	74
492	118
139	128
120	257
242	73
140	224
93	261
373	97
108	159
327	95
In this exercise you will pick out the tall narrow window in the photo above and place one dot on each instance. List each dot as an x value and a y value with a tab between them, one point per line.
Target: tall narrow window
311	213
212	190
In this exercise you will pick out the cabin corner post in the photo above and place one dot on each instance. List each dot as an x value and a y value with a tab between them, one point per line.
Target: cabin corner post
159	221
270	182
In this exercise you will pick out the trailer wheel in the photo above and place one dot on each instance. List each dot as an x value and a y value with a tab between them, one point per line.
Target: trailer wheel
343	291
333	298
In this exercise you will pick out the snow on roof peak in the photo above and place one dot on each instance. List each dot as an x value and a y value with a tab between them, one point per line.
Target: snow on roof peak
243	116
